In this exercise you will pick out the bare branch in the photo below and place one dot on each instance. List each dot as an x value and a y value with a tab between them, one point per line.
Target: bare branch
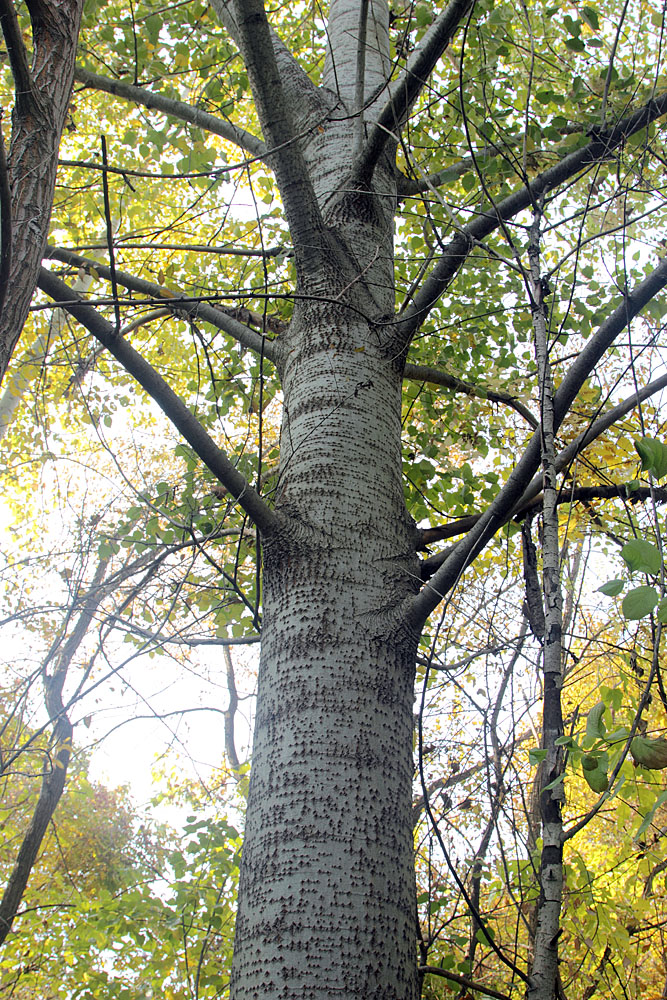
24	85
360	81
230	711
166	398
5	223
600	148
53	780
405	91
453	977
304	97
175	109
301	207
421	373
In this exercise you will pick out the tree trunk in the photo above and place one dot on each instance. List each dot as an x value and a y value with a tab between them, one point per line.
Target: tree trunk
40	112
328	867
327	896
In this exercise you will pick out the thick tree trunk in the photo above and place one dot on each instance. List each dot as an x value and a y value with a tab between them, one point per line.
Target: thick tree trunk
327	903
327	898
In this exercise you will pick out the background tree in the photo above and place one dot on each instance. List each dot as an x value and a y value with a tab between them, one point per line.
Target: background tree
444	205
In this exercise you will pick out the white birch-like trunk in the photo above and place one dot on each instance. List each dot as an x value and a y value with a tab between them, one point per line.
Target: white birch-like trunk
327	899
327	903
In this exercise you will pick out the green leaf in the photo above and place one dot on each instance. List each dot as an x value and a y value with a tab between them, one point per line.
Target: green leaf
648	818
590	16
595	727
612	588
537	756
597	780
653	455
639	602
641	556
661	613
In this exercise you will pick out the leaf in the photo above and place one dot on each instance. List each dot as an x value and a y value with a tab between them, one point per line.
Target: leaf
649	753
595	727
653	455
590	16
537	756
612	588
648	818
641	556
597	780
639	602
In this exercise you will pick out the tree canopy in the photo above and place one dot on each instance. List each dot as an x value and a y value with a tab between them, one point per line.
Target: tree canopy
337	330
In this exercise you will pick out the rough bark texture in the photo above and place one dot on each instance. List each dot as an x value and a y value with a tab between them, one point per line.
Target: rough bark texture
328	868
544	979
38	120
327	876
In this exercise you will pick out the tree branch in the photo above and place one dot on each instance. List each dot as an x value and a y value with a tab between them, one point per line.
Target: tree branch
37	125
511	496
600	148
301	208
360	80
198	310
53	780
5	223
174	408
24	85
304	97
453	977
421	373
531	495
175	109
405	91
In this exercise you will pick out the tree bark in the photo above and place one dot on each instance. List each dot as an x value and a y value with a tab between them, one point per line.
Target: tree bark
38	119
328	870
327	876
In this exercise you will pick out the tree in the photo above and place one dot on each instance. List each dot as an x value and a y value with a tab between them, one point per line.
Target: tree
494	173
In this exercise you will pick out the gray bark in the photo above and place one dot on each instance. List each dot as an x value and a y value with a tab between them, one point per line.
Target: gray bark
327	875
328	872
544	979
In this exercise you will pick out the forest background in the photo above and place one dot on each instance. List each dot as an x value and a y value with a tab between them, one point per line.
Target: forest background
272	232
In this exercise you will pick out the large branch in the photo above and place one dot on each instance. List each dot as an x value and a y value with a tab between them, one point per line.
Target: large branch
418	608
176	301
600	148
405	91
531	495
301	208
175	109
174	408
18	57
304	97
40	112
